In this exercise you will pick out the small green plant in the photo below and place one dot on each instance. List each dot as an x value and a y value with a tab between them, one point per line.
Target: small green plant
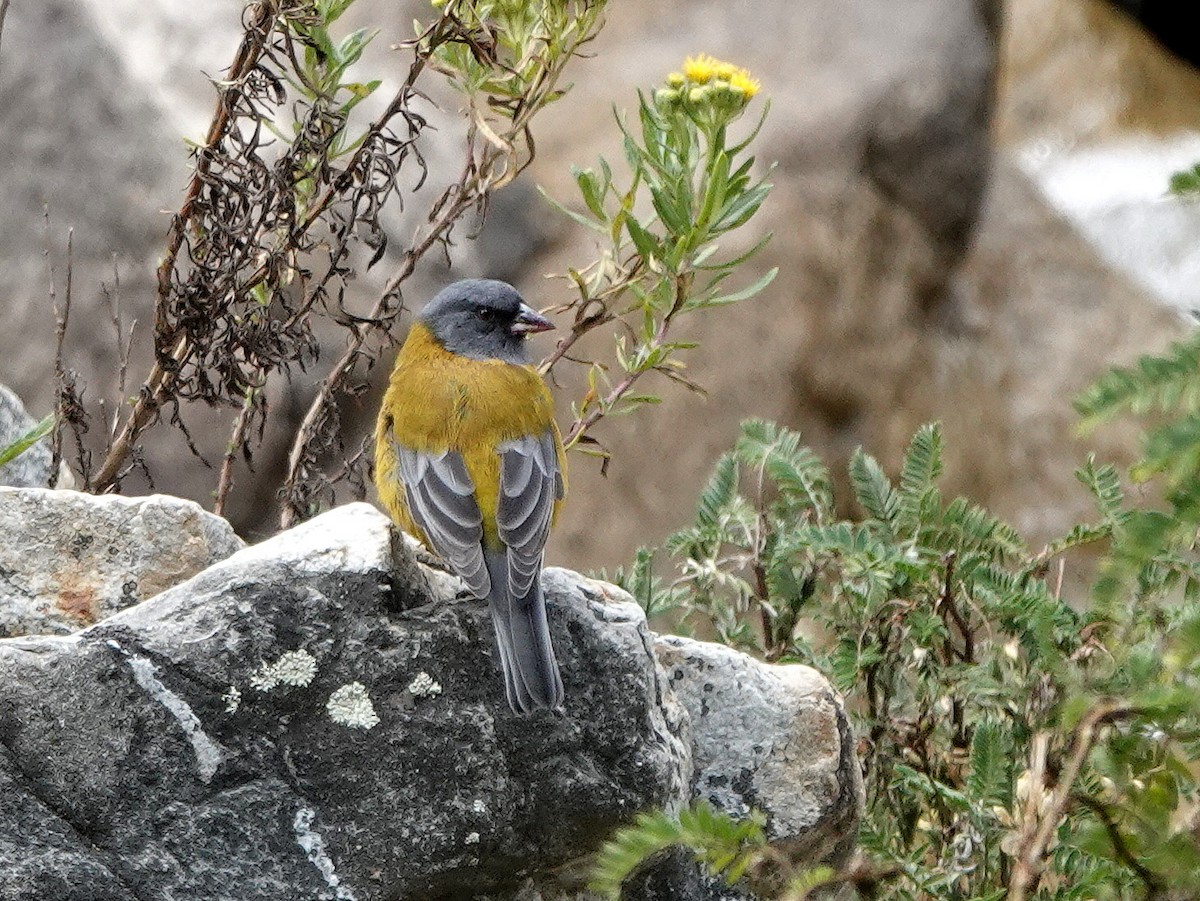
1186	183
1154	550
690	186
1013	744
22	443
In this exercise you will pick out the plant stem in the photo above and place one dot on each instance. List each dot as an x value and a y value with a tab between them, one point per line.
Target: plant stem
236	440
160	379
1037	828
581	425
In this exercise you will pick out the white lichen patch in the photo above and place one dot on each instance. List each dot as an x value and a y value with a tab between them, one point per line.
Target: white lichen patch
351	706
313	846
208	753
232	699
293	668
423	685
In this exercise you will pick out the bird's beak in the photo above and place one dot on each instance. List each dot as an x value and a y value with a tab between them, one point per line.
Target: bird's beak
529	321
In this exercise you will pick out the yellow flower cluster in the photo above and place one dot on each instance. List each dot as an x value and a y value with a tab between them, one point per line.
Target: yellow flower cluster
708	90
704	69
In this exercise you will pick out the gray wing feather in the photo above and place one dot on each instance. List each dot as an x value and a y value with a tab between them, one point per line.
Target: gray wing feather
530	482
441	499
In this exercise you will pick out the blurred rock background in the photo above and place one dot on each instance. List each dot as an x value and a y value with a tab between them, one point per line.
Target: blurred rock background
968	218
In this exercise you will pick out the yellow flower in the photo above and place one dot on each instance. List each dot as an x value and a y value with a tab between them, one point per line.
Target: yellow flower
704	68
742	82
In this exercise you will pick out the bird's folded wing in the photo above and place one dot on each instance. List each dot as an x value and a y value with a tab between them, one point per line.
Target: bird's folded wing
441	500
530	483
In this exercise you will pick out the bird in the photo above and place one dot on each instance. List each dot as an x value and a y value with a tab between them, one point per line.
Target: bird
469	459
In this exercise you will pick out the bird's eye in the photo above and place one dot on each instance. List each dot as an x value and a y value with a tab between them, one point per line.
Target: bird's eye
485	314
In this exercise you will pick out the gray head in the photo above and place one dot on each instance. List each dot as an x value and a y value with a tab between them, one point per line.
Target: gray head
483	319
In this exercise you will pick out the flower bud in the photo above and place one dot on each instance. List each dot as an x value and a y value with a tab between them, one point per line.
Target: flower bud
666	100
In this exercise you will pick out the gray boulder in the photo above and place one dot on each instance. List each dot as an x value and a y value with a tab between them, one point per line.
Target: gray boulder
32	468
320	716
68	560
771	738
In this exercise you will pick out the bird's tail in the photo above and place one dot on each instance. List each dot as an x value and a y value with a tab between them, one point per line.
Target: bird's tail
531	676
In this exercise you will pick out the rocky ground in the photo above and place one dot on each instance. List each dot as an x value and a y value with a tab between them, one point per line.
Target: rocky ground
321	715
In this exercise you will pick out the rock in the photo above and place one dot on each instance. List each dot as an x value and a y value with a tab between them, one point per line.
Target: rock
319	716
1168	23
190	739
68	560
771	738
32	468
1101	118
674	874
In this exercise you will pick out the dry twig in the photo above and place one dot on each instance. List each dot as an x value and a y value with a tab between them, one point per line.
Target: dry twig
1040	821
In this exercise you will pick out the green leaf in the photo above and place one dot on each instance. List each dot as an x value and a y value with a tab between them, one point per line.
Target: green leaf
647	245
721	300
585	221
1105	485
672	213
352	46
714	196
716	839
738	211
718	493
332	10
872	488
990	778
1187	182
11	451
796	471
736	261
801	886
922	466
1167	382
359	91
590	189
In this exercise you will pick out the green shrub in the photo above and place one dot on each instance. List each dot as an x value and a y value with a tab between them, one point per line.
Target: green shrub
1014	744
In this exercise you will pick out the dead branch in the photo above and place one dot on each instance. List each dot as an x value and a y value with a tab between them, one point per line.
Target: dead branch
259	25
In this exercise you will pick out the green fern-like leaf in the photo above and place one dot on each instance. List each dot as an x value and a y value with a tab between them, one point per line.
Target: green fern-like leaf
725	845
800	887
1080	536
718	493
922	784
1170	382
922	466
1105	485
872	488
1172	449
801	478
990	778
647	589
965	526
